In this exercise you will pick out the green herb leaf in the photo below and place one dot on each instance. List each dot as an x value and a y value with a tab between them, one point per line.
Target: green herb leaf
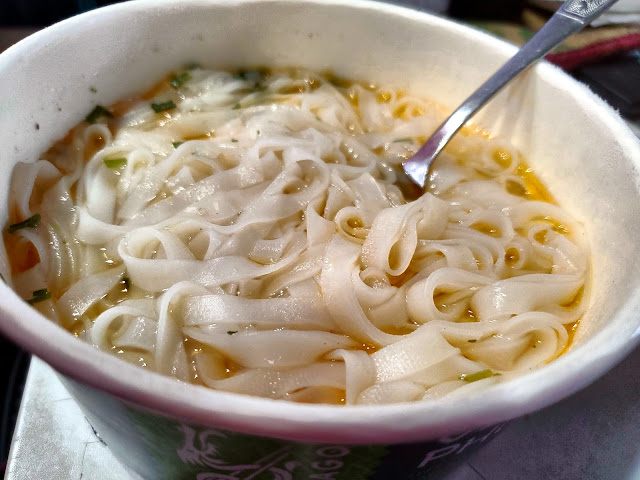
404	139
31	222
474	377
164	106
231	332
93	89
256	75
98	112
176	144
39	296
472	341
236	107
234	140
179	80
115	162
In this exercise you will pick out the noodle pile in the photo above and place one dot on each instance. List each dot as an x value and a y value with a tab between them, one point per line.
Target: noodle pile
245	232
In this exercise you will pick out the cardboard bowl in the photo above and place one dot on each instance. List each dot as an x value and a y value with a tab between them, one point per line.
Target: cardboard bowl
160	428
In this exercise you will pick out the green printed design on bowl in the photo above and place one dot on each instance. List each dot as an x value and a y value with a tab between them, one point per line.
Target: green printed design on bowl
211	454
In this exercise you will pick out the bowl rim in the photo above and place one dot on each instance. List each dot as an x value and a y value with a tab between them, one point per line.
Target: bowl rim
394	423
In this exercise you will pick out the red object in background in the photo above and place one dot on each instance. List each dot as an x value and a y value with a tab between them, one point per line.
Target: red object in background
594	52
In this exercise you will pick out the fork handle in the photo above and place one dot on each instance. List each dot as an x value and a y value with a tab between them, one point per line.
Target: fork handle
571	17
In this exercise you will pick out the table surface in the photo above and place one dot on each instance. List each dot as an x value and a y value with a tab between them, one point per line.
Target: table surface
592	435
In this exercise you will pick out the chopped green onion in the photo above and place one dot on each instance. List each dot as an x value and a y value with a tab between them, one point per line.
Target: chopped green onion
98	112
39	296
472	341
115	162
179	80
31	222
161	107
256	75
258	132
176	144
231	332
474	377
234	140
236	107
93	89
404	139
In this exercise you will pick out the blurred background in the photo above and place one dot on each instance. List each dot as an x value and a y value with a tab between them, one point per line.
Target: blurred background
606	56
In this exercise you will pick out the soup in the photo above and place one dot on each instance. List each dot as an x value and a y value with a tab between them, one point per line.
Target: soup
245	231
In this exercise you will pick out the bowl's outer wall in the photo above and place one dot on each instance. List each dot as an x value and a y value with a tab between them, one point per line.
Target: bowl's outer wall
582	151
154	447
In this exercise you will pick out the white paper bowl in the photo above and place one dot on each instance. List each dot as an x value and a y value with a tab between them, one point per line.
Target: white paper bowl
577	145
